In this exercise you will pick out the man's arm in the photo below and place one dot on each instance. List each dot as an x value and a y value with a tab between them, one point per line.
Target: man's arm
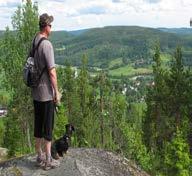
50	63
53	78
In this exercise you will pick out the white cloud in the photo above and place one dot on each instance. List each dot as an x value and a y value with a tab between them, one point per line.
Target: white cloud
77	14
186	2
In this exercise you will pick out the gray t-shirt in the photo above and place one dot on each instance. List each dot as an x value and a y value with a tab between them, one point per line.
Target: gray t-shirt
44	57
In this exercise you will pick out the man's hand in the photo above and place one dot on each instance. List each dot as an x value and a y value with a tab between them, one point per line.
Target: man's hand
58	96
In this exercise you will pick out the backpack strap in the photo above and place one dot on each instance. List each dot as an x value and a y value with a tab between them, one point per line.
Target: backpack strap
32	53
43	38
41	73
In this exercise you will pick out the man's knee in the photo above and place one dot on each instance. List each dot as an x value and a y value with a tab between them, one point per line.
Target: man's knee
48	138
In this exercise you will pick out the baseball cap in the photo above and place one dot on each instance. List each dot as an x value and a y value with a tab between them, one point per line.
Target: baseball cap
45	20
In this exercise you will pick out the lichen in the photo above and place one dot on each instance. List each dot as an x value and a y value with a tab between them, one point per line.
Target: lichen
11	171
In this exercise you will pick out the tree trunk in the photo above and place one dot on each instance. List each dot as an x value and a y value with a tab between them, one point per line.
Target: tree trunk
190	132
178	117
29	137
101	117
159	139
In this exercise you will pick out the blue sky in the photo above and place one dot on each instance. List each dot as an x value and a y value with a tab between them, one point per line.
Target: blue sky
80	14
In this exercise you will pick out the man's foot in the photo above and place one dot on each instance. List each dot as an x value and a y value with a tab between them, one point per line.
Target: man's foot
40	160
51	164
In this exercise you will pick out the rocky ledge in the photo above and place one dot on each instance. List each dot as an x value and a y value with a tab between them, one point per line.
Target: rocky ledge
77	162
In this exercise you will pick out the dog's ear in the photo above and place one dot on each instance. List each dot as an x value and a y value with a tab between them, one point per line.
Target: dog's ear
72	127
67	126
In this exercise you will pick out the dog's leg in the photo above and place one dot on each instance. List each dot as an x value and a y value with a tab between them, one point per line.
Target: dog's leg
60	154
66	152
57	156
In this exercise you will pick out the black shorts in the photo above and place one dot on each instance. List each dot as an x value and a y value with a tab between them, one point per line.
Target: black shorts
44	119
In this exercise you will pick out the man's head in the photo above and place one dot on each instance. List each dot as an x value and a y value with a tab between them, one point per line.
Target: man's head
45	23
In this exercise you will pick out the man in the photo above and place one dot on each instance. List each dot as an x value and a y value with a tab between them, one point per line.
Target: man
45	95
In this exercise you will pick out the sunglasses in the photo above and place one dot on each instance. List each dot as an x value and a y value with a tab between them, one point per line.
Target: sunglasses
49	25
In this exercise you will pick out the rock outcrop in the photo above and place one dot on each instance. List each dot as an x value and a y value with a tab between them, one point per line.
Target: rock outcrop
3	153
77	162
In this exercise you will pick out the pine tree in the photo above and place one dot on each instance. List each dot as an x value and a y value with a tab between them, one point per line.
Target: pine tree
177	158
70	96
15	47
177	89
154	121
119	112
189	106
83	86
105	114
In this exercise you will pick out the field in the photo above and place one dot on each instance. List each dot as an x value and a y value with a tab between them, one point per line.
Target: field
128	70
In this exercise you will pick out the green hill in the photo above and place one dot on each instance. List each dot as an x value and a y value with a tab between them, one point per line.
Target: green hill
130	43
1	33
182	31
114	47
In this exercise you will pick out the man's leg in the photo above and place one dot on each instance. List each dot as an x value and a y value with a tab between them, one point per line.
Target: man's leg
48	149
48	126
38	146
38	132
48	129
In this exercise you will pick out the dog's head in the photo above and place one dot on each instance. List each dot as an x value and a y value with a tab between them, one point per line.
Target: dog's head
69	129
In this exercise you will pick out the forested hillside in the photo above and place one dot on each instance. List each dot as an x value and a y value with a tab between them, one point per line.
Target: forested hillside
131	43
1	33
181	31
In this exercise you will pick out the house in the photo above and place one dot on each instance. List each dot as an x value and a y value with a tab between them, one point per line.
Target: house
3	112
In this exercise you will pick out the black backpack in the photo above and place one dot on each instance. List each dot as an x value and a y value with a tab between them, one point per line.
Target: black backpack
31	72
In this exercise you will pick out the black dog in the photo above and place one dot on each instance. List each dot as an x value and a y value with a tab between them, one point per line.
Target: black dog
61	145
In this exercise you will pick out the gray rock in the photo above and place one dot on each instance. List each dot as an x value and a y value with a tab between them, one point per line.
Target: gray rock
3	153
77	162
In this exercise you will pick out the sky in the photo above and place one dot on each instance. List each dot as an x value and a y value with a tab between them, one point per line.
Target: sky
80	14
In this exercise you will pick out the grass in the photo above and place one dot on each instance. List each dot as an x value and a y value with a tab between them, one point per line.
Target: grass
166	58
114	62
129	71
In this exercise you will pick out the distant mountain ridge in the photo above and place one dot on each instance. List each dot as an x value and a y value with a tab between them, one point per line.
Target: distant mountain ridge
182	31
131	43
78	32
1	32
